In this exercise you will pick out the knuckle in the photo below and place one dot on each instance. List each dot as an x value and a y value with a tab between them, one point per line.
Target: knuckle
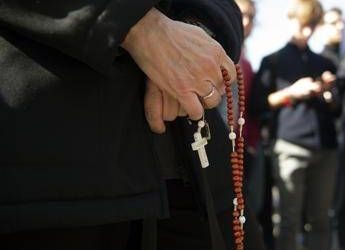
208	64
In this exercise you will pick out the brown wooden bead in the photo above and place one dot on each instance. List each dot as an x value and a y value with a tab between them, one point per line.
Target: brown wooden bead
238	240
236	178
238	190
240	150
238	184
238	196
236	228
235	214
237	234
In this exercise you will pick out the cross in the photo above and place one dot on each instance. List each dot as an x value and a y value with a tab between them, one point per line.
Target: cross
199	145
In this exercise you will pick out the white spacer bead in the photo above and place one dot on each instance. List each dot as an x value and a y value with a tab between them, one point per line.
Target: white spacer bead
242	219
235	202
232	135
241	121
201	124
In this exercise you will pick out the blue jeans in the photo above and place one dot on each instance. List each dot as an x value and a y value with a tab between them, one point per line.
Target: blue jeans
305	180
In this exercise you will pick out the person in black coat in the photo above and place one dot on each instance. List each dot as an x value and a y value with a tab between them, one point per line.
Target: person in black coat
82	86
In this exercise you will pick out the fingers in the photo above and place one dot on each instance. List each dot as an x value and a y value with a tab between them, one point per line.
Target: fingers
327	76
170	107
209	94
191	104
181	112
153	104
160	107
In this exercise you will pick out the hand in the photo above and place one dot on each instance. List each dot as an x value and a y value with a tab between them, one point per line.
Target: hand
303	88
160	107
328	80
181	59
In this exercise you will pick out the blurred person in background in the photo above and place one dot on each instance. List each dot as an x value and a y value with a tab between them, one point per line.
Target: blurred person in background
340	193
340	190
332	28
296	92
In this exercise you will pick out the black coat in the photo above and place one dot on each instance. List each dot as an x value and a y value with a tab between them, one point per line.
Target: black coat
75	145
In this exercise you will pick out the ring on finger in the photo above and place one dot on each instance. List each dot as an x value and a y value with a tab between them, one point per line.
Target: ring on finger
210	94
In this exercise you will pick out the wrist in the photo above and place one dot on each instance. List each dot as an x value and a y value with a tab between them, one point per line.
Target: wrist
153	19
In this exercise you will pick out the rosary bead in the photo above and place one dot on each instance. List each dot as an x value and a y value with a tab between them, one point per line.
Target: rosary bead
227	78
201	124
232	135
241	121
236	172
238	184
239	240
237	228
237	178
235	166
227	84
242	219
235	202
234	160
240	247
241	139
236	222
237	234
238	190
234	154
238	196
229	105
230	116
240	150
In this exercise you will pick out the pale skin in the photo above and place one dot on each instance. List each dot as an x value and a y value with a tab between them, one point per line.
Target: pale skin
181	62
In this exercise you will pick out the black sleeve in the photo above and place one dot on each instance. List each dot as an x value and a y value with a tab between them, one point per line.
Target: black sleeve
222	17
88	30
263	86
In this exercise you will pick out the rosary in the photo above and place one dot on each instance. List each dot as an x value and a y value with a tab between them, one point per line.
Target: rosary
236	152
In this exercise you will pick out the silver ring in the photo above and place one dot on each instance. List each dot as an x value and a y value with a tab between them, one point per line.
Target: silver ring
210	94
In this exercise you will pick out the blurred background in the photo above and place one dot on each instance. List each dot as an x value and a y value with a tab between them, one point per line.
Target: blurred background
271	29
